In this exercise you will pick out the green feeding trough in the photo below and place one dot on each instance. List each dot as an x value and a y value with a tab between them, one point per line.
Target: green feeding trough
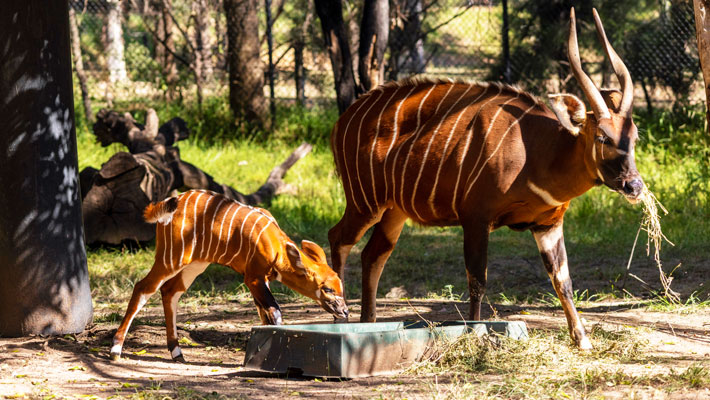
357	349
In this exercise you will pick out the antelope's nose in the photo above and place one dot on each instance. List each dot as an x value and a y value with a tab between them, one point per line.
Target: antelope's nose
633	187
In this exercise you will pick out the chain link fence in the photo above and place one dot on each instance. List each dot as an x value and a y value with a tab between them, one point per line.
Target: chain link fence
176	49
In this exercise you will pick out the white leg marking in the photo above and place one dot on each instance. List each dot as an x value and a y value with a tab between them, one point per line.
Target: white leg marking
547	241
585	344
428	148
465	148
500	142
116	349
544	195
211	226
221	228
395	127
442	157
176	352
229	234
414	140
401	145
345	164
357	147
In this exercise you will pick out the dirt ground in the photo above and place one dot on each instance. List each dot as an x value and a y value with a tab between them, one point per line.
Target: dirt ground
79	366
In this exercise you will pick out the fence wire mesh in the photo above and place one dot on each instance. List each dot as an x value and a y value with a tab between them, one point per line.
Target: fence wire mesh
177	48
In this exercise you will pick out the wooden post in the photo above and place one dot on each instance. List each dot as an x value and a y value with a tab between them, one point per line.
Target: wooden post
44	282
702	30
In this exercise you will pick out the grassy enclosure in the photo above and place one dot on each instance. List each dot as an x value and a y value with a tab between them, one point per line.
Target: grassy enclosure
428	262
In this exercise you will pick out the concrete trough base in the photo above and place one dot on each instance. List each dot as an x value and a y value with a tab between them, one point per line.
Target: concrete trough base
357	349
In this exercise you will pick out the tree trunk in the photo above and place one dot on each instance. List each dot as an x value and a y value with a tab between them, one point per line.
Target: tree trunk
79	65
246	71
374	34
702	30
330	13
44	281
407	47
164	32
202	39
114	43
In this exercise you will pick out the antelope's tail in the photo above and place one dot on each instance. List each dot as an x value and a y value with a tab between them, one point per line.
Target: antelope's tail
160	212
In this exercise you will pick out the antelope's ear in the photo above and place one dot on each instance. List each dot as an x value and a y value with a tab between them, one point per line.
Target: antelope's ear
570	111
294	256
314	251
612	98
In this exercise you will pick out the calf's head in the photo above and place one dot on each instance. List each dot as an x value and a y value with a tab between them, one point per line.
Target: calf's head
609	132
313	277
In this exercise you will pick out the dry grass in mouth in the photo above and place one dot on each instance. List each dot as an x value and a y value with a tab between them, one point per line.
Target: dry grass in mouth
651	224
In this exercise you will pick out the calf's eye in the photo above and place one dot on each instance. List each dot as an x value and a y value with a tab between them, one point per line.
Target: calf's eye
328	290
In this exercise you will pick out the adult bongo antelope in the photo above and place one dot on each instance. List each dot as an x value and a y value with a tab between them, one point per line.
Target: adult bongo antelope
481	156
199	227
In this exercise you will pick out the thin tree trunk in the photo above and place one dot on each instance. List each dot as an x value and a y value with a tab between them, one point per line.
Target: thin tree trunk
202	39
164	29
246	71
330	13
79	65
270	44
374	34
114	43
702	30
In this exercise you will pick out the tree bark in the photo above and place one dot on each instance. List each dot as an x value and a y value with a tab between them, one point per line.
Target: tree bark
202	39
407	47
79	65
702	30
44	281
330	13
246	71
114	43
374	34
164	48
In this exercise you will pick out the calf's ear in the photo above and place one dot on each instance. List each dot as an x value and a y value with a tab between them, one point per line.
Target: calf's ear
314	252
570	111
294	257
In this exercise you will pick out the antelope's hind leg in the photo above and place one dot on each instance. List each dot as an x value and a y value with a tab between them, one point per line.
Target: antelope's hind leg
171	292
475	242
141	292
374	256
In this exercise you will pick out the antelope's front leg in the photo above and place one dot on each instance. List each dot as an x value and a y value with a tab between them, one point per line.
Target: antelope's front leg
266	304
551	243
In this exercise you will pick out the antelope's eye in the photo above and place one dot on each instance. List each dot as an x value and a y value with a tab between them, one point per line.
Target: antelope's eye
603	139
328	290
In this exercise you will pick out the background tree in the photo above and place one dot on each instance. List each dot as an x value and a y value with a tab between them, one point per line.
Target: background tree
114	43
374	35
702	29
246	70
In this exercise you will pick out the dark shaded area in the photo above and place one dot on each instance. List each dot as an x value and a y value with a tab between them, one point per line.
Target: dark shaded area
44	285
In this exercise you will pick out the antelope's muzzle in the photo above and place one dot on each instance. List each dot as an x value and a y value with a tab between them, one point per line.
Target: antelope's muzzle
337	307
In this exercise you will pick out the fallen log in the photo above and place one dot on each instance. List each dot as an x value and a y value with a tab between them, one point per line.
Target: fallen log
113	198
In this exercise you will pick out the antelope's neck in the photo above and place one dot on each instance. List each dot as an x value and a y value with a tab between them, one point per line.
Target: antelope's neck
571	172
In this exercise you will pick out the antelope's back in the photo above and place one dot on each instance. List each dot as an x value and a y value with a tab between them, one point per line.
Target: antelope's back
423	146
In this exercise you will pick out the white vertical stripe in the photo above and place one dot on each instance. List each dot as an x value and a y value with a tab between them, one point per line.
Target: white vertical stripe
182	228
442	157
428	148
256	242
342	154
395	127
357	146
165	244
194	225
401	146
211	226
502	138
203	235
221	227
229	233
241	235
485	136
468	142
415	137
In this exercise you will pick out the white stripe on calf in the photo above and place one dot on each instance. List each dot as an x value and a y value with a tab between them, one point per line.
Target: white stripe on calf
229	233
182	228
211	226
241	235
221	227
258	237
544	195
204	228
